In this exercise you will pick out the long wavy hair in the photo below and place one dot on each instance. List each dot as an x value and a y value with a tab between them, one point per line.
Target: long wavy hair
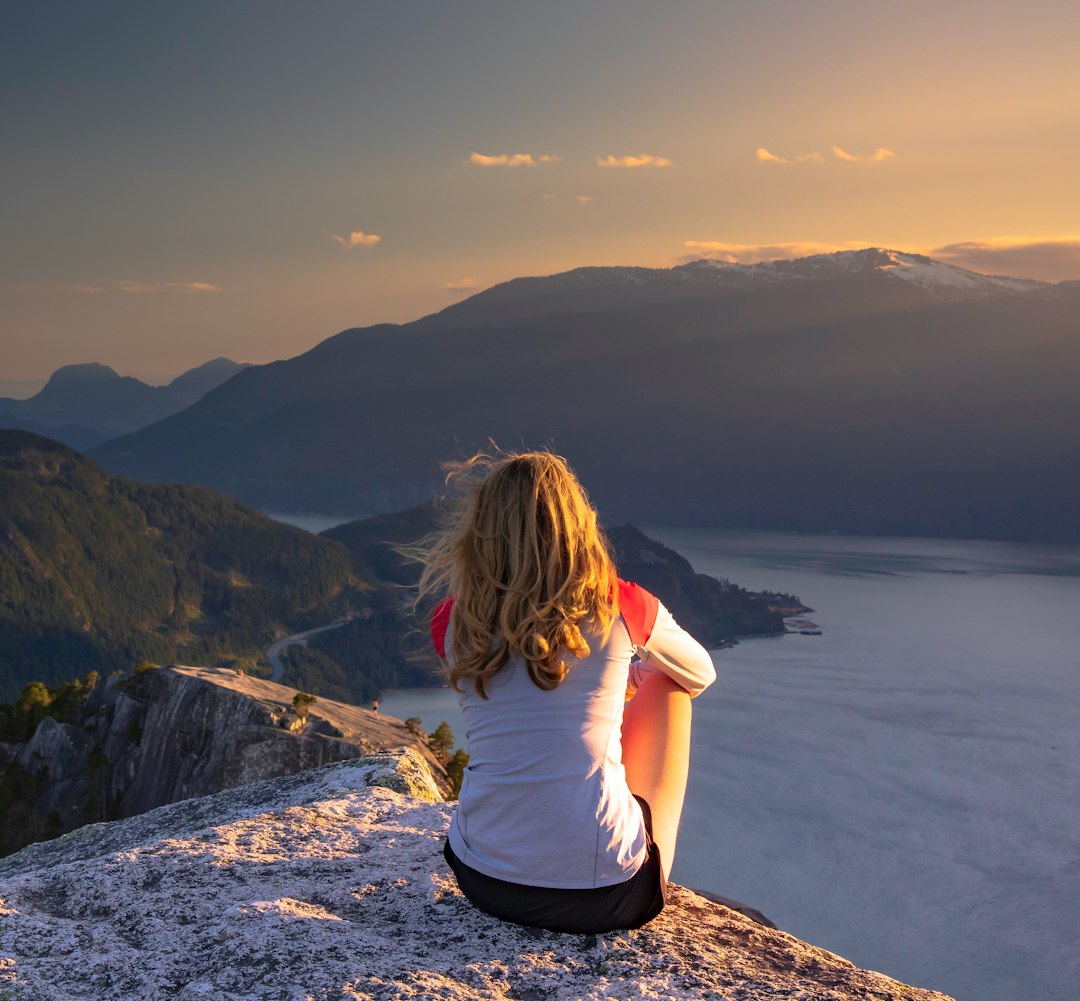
528	567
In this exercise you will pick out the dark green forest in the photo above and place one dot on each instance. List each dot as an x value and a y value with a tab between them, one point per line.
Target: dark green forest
363	658
98	572
22	819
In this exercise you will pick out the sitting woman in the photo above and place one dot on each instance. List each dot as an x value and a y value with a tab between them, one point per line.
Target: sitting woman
578	753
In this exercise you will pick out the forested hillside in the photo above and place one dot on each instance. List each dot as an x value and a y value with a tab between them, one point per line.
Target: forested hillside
388	647
98	572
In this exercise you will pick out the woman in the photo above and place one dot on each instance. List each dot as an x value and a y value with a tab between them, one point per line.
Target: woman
569	809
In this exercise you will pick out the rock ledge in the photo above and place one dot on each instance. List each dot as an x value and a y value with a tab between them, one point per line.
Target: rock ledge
330	884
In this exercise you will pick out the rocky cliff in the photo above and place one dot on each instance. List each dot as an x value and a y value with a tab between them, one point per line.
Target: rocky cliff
330	884
173	733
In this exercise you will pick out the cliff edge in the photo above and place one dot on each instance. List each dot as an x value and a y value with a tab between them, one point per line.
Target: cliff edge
172	733
330	884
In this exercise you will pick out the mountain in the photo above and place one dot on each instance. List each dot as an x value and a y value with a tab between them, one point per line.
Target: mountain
81	403
600	289
98	572
80	438
197	382
386	647
331	884
866	391
715	611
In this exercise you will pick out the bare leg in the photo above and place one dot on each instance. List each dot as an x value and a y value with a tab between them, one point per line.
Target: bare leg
656	755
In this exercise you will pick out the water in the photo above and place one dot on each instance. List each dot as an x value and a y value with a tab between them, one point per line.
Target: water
314	523
432	705
904	789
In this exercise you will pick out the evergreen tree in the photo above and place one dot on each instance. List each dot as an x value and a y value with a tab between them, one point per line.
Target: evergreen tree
455	768
441	741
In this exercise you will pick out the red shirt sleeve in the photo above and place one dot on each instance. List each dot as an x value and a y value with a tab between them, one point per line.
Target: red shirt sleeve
440	622
638	609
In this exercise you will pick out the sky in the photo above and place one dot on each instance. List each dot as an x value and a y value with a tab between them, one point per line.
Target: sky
184	181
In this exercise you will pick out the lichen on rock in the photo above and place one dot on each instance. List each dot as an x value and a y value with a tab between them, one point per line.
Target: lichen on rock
330	884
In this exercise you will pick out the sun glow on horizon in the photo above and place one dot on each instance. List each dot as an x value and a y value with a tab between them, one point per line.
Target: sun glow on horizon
244	210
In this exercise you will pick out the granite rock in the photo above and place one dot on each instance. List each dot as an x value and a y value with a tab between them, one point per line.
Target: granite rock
173	733
330	884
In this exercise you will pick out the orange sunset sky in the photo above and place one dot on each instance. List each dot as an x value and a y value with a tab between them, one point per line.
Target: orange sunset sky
187	181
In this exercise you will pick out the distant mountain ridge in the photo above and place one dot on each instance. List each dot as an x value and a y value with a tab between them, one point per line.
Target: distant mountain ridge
615	287
85	405
865	391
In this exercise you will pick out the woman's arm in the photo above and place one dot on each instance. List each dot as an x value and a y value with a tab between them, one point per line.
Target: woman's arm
672	650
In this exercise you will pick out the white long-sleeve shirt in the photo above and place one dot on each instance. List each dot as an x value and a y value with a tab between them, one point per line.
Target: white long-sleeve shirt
544	800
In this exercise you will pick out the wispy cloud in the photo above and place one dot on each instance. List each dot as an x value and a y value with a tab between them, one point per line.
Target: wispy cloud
751	253
141	288
641	160
881	153
764	156
511	159
357	238
462	285
584	199
1049	259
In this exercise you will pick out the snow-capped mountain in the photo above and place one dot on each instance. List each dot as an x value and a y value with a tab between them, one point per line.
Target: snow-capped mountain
931	400
872	273
871	261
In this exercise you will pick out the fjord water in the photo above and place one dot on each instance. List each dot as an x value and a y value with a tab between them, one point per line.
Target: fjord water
904	789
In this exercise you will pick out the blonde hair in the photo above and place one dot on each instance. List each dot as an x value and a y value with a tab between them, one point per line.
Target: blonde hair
527	565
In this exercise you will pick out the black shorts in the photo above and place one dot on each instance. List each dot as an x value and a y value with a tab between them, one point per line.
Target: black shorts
629	904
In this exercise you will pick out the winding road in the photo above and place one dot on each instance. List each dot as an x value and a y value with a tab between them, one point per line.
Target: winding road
275	649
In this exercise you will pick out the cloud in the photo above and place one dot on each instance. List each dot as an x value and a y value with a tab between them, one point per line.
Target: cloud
462	285
764	156
140	288
511	159
1049	259
751	253
357	238
584	199
641	160
881	153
